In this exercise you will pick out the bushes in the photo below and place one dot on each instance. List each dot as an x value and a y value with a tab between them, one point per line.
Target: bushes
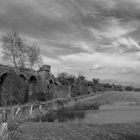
96	105
86	106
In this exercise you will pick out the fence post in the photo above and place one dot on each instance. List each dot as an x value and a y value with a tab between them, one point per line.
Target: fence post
4	116
31	110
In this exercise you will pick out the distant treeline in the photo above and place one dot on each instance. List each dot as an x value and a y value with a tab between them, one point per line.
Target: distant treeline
78	85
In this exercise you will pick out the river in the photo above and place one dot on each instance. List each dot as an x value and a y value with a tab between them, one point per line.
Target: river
107	114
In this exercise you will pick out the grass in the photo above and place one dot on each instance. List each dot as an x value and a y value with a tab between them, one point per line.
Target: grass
86	103
32	129
77	131
114	96
86	106
70	131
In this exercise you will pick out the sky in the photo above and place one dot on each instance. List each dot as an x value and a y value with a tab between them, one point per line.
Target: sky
98	38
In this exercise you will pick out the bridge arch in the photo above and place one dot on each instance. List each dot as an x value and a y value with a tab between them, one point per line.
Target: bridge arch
23	76
32	88
33	79
3	76
51	81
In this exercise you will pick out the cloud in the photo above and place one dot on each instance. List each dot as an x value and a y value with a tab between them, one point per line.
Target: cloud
56	65
96	67
114	29
112	60
125	45
100	38
101	65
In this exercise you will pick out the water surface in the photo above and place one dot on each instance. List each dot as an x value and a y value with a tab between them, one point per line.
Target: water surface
105	115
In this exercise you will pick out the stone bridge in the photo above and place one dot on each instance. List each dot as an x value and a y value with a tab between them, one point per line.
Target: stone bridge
38	82
26	74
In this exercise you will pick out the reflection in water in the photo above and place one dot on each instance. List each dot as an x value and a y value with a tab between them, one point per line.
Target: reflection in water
71	116
123	114
106	114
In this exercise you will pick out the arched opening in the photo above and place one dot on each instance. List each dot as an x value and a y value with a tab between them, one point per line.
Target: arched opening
48	86
51	81
3	77
13	89
32	88
22	76
56	84
33	79
24	80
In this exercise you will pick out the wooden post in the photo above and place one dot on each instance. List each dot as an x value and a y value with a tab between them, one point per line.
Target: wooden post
4	116
40	110
31	110
17	111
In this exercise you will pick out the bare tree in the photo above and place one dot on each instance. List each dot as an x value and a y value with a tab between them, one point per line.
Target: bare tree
13	49
34	57
17	52
66	78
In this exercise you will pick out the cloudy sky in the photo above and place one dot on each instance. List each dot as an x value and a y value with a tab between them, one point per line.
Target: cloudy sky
99	38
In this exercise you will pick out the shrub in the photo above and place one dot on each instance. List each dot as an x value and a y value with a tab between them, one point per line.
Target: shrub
96	105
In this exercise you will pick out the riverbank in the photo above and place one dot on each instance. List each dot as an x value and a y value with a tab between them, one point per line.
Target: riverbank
86	102
49	120
38	110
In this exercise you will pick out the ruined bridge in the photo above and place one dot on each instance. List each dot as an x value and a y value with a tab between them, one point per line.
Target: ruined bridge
37	82
26	74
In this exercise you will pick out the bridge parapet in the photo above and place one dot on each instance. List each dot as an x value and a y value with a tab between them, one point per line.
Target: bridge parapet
27	73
